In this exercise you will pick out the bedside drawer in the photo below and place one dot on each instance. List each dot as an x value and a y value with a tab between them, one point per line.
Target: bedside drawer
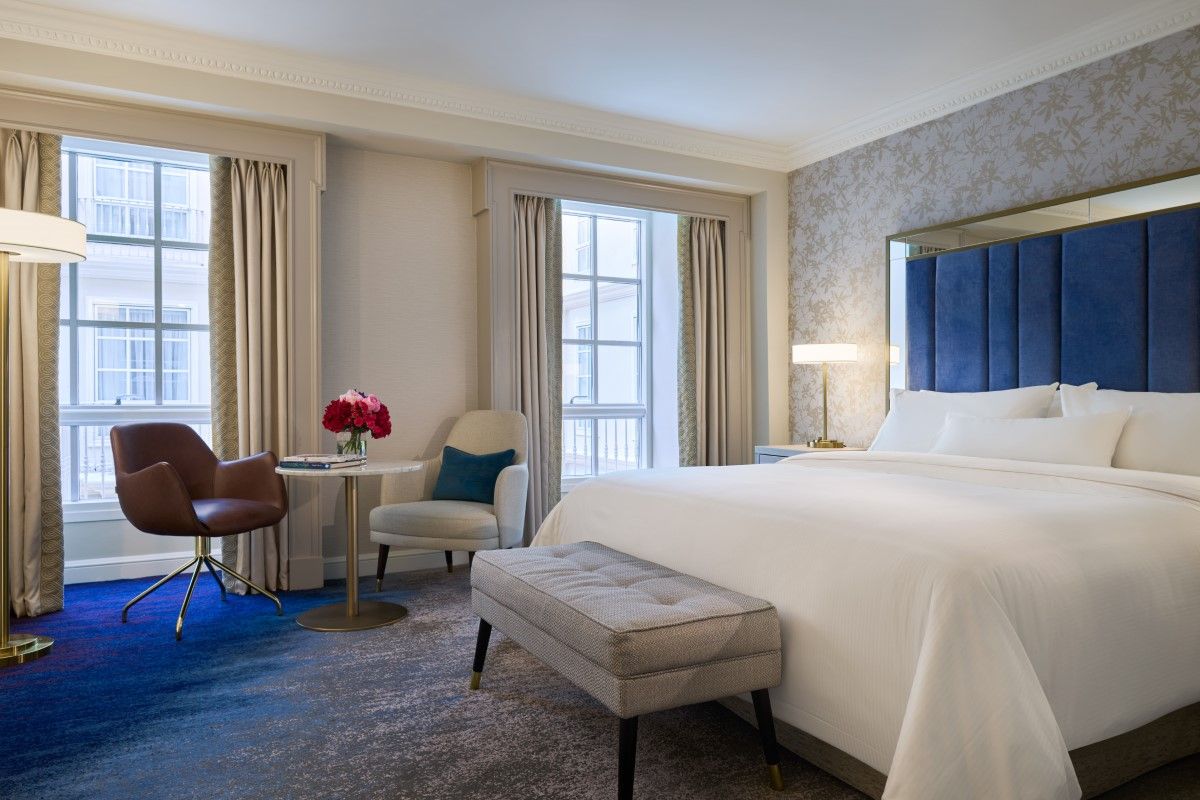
764	458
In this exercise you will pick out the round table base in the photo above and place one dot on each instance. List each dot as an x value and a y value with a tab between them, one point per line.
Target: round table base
371	614
22	648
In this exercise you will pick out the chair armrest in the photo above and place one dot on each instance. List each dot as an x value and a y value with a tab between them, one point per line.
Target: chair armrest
512	492
251	478
410	487
155	500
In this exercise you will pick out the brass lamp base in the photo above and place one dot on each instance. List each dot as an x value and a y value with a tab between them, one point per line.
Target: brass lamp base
21	648
828	444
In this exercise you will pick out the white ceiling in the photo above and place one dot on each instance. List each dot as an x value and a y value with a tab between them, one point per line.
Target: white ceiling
790	74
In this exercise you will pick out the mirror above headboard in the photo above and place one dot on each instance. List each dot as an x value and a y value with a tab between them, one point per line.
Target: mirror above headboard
971	241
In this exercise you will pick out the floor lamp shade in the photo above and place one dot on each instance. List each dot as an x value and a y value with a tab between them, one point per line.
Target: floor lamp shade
824	354
25	238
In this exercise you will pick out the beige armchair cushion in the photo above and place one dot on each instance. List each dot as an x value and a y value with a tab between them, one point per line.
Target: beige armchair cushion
424	523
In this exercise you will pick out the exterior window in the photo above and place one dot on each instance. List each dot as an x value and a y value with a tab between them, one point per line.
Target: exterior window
133	342
605	340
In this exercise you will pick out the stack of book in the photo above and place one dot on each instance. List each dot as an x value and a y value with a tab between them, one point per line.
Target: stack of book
322	461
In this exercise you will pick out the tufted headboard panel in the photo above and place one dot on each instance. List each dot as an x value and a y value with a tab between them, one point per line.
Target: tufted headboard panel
1118	304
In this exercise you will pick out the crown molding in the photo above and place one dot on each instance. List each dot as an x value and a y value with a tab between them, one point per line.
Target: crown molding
1082	47
108	36
157	45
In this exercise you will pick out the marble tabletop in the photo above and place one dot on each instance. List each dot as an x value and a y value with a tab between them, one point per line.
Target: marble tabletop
366	470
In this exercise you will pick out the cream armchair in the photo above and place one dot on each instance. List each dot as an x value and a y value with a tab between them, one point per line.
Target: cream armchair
409	517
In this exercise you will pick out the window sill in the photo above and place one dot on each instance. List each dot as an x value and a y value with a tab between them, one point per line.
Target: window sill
92	511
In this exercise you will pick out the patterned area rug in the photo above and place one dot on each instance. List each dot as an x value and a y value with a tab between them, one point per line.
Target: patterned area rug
249	705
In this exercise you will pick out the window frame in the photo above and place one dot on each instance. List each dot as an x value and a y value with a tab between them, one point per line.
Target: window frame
597	411
73	414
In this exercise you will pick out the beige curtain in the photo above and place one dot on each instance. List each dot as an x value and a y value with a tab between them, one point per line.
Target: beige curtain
538	237
703	346
31	180
248	298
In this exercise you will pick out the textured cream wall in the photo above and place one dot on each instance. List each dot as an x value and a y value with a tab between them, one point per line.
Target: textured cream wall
1134	115
398	302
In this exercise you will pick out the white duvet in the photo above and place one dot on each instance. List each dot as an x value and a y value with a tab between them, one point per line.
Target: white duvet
957	623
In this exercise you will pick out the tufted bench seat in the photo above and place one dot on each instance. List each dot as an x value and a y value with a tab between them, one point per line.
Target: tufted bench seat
635	635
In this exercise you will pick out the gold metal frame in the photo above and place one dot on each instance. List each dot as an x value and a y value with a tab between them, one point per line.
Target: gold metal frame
203	558
351	615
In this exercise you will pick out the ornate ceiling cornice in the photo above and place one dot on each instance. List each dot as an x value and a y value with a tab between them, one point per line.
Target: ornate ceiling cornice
106	36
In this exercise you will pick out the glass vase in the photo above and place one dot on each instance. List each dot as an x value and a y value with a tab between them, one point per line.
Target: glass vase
353	445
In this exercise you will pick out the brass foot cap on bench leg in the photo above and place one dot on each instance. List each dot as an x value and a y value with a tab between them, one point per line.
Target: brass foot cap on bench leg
776	777
475	678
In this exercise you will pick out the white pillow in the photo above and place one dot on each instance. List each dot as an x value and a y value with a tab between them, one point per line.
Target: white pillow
1087	440
1163	433
1056	404
915	419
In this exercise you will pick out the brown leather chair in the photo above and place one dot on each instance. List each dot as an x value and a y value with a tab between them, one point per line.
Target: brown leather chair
171	484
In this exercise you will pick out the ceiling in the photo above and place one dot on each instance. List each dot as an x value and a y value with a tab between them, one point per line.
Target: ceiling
798	77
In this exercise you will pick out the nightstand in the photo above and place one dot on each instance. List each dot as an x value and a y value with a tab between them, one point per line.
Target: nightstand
770	453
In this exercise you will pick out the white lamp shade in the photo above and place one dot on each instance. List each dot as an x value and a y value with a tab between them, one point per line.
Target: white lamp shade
41	238
824	353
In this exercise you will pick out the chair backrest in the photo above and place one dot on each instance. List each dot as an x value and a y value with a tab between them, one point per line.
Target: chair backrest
139	445
490	432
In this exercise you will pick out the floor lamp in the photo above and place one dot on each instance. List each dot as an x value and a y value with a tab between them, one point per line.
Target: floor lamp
25	238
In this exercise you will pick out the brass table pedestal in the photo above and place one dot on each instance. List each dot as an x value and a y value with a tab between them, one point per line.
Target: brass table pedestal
352	615
333	617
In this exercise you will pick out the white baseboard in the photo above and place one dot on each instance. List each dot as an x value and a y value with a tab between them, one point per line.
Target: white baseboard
156	564
90	570
398	561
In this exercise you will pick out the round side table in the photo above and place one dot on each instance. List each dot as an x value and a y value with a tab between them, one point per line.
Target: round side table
352	615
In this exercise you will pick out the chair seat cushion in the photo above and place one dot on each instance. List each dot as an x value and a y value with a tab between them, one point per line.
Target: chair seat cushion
225	516
437	519
628	616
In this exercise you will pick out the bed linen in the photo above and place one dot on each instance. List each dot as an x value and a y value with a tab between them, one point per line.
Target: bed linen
957	623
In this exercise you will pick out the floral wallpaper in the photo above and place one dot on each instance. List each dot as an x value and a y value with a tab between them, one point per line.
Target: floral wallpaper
1130	116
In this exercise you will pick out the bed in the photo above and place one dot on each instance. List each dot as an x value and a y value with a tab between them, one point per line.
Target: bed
959	627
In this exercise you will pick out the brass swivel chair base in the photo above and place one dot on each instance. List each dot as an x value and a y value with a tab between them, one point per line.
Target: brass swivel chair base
203	558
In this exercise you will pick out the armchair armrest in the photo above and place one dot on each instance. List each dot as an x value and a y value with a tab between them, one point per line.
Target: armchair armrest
512	492
410	487
251	478
155	500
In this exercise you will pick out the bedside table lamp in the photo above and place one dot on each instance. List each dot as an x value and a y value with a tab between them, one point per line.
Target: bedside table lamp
824	354
25	237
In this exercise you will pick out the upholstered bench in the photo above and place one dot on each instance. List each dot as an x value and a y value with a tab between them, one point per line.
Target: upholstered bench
635	635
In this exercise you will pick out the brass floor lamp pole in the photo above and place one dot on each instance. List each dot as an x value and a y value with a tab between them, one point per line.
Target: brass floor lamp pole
38	238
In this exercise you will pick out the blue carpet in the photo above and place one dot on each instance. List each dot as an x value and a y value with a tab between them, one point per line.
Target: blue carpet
250	705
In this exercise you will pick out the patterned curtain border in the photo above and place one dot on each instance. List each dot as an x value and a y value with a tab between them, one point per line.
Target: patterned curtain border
49	277
689	442
223	331
554	349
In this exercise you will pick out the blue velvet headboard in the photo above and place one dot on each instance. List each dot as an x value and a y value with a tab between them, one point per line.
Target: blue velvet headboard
1118	304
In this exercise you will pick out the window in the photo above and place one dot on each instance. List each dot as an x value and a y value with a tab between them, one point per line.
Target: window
606	395
133	342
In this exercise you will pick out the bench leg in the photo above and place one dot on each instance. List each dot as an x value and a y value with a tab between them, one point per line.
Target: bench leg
381	566
766	732
626	756
449	561
481	646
